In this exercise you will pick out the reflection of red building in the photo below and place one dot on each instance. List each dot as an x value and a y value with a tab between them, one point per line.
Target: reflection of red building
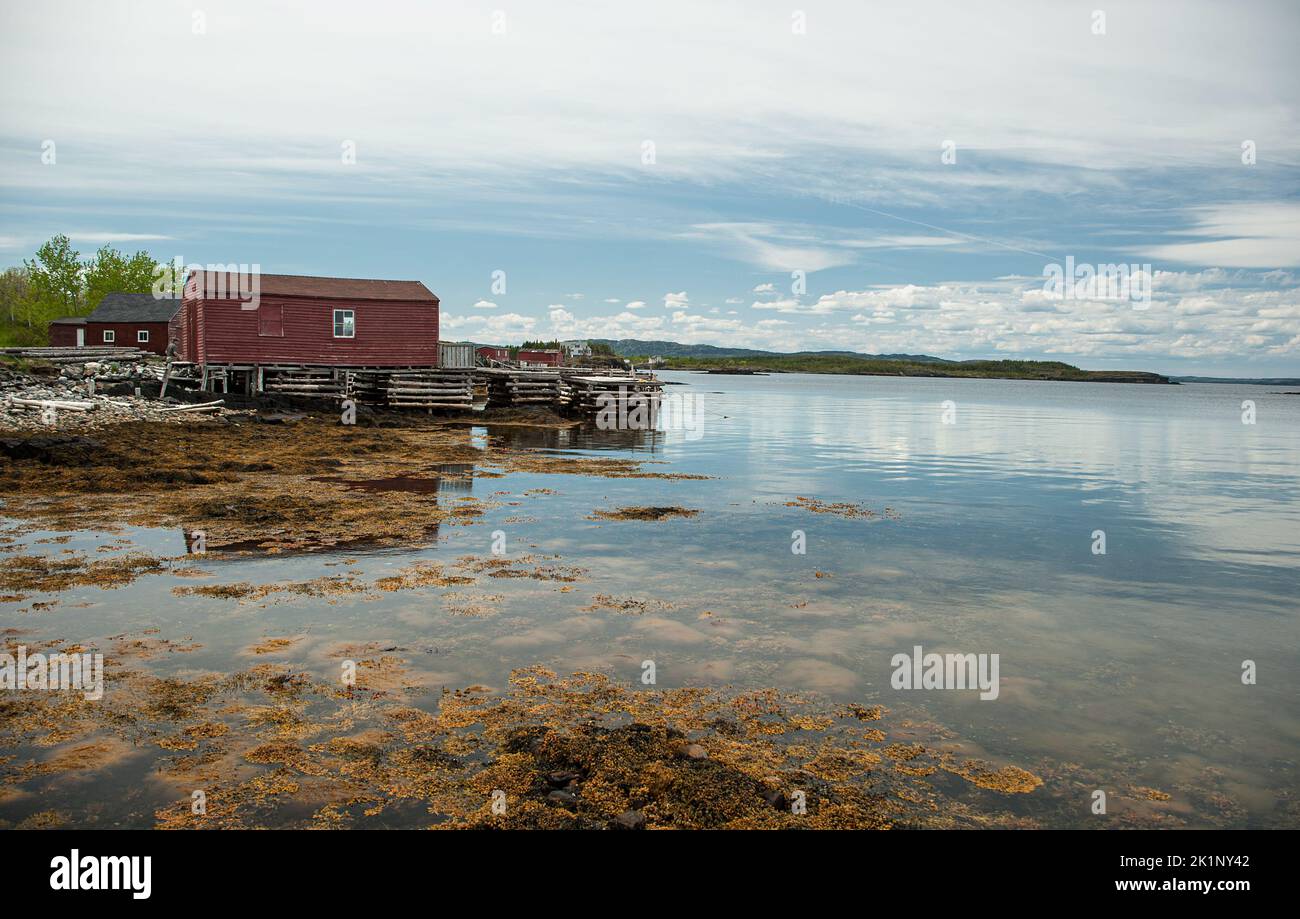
548	358
493	354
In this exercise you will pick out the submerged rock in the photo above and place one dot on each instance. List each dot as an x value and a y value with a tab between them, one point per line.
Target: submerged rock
628	820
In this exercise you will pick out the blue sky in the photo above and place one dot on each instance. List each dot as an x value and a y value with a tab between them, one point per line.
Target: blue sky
516	138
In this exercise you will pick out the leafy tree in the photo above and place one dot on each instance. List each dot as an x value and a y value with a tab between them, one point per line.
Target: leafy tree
54	281
111	271
13	291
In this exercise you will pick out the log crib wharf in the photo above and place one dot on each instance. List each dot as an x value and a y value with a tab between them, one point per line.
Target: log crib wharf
576	391
395	387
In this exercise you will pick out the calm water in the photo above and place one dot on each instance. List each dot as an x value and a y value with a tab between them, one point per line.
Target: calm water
1117	670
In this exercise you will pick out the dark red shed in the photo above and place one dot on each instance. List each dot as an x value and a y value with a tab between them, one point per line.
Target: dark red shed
68	333
548	357
122	321
269	319
493	354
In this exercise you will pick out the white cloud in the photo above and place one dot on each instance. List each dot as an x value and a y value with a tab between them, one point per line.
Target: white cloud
100	237
484	305
853	81
503	327
771	247
1237	236
676	301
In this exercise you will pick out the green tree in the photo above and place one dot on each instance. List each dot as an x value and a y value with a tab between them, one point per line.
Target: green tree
111	271
54	282
13	291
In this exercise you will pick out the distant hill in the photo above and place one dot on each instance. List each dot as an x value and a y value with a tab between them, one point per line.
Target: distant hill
635	347
713	359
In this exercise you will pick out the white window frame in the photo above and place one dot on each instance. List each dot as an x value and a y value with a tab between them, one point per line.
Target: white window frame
352	314
142	336
110	336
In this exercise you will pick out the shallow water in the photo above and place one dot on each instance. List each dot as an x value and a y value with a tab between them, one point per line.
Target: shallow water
1117	671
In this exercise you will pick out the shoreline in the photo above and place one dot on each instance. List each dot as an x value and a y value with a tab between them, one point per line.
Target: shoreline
1045	371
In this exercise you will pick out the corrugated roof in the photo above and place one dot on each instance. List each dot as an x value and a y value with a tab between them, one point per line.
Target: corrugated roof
227	284
119	307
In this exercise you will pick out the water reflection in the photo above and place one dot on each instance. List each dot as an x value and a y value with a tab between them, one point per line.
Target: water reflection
1125	664
585	436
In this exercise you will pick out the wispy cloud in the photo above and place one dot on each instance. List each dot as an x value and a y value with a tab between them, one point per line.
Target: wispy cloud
1237	236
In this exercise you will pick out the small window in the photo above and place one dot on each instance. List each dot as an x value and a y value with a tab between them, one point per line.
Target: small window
109	336
270	320
345	324
142	336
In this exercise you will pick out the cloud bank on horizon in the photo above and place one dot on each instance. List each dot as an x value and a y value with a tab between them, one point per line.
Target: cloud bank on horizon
875	177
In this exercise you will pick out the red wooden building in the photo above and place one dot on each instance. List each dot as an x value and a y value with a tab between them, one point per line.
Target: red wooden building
547	358
306	321
121	320
493	354
68	333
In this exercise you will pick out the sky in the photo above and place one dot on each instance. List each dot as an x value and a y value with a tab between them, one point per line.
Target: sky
882	177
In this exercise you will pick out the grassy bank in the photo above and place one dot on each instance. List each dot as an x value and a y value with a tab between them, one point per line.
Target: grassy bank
821	363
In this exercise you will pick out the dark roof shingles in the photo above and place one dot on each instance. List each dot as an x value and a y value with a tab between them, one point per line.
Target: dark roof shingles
290	285
119	307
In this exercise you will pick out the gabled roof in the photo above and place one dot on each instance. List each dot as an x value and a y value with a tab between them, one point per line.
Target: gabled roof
118	307
227	285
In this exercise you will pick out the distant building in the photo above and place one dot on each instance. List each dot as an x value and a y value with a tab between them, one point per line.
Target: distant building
493	354
577	348
547	358
120	321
